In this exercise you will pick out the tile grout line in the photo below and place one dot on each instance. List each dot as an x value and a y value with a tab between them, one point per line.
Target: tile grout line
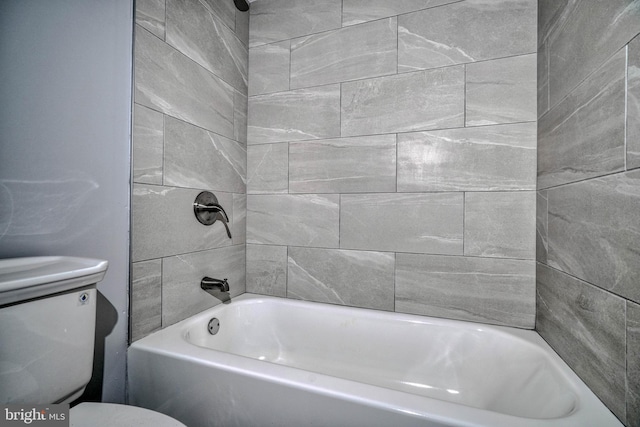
464	204
464	103
626	103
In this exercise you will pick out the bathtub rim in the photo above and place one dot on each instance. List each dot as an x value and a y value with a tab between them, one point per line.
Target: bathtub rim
172	342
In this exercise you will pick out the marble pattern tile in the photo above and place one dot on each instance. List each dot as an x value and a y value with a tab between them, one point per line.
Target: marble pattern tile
353	278
448	35
267	270
170	82
268	168
586	36
633	364
358	11
583	136
409	222
486	158
550	14
501	91
240	105
358	52
486	290
150	15
500	224
542	226
163	223
148	142
594	232
543	79
633	104
345	165
222	10
295	115
242	27
239	219
422	100
196	158
277	20
299	220
586	327
196	32
146	298
269	70
182	296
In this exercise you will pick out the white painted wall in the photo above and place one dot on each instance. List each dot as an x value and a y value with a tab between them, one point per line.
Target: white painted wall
65	125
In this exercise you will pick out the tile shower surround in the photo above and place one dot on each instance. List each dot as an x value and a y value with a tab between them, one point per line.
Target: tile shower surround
391	155
341	144
189	135
588	200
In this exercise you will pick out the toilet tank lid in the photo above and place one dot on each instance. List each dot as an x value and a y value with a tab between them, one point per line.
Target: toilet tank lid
32	277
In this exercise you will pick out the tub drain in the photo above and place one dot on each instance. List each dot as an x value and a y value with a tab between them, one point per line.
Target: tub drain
214	326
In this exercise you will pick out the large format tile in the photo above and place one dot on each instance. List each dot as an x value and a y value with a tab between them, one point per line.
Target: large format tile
424	223
269	70
150	15
500	224
633	364
422	100
146	298
543	79
170	82
448	35
345	165
276	20
594	232
590	31
223	10
633	105
295	115
357	11
268	168
551	13
163	223
242	27
583	136
542	244
148	142
240	106
476	289
199	34
362	51
502	91
267	270
239	219
353	278
586	327
482	158
300	220
196	158
182	296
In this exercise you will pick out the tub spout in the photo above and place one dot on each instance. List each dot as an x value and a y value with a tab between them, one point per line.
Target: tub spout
209	283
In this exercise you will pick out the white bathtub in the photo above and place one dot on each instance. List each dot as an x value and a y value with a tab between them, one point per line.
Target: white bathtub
279	362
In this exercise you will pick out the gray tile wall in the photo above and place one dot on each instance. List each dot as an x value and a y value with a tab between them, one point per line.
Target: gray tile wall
189	135
588	226
391	155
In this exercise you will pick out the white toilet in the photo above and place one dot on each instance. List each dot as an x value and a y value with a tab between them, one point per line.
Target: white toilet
47	326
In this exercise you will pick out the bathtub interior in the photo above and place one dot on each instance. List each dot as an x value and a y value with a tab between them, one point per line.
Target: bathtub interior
485	367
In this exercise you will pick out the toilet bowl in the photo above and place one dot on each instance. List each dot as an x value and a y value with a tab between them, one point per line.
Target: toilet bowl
90	414
47	327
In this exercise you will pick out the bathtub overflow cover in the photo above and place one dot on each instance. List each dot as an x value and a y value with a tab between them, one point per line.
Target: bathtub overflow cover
214	326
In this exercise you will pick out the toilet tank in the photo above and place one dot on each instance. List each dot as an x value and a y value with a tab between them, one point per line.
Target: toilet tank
47	327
